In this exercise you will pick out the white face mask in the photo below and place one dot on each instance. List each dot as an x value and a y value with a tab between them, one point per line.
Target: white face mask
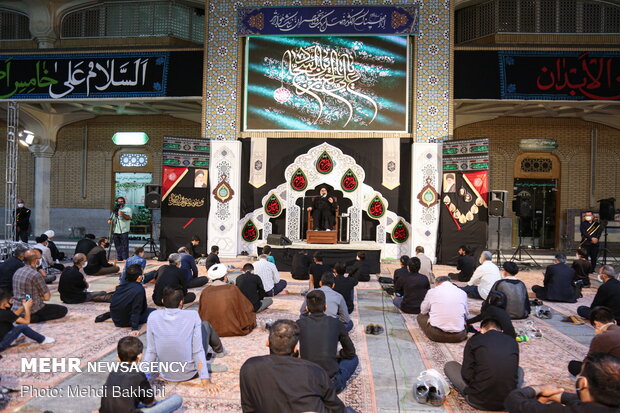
600	278
20	205
588	218
85	263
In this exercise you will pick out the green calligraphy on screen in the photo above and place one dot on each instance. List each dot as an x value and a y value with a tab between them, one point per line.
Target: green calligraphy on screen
202	164
450	167
449	151
202	148
172	162
479	165
172	146
480	148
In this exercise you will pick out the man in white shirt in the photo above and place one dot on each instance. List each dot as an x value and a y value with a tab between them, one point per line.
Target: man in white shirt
443	312
426	265
484	277
268	273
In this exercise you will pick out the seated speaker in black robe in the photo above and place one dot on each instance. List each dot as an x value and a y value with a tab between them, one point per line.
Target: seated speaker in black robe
323	211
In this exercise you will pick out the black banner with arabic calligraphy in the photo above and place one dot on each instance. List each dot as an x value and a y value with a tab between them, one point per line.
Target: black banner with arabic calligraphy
533	75
101	75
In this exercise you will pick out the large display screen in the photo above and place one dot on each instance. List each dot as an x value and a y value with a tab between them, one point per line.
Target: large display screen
338	83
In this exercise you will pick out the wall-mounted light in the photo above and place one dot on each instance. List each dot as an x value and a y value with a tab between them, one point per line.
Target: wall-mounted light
26	138
130	138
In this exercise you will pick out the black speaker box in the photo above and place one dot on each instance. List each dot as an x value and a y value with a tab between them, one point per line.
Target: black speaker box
607	209
496	208
152	197
278	239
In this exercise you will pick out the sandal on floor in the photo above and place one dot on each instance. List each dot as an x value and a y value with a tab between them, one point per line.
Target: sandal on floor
533	330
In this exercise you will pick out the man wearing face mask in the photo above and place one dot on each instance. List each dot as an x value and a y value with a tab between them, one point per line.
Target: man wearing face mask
590	234
121	221
323	211
597	391
97	261
608	294
22	221
73	286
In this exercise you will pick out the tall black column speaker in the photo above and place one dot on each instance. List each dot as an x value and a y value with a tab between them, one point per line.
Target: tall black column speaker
607	209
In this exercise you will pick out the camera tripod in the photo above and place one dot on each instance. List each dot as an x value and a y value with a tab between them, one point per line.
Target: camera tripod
521	249
113	222
152	247
606	252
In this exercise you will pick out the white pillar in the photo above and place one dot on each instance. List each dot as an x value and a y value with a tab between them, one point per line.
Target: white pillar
224	213
42	180
426	173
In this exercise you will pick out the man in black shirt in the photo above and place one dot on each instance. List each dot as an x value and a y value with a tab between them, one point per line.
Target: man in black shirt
359	270
281	382
608	294
22	221
403	270
300	265
317	269
598	391
323	211
490	369
172	276
251	286
582	267
193	246
412	288
318	340
133	387
212	258
590	233
344	285
128	305
558	283
494	307
98	261
466	265
86	244
8	268
72	285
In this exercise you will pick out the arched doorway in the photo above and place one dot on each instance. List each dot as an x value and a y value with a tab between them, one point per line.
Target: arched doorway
536	191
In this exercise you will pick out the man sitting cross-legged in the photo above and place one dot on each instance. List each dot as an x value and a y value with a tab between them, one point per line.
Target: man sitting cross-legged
606	337
98	261
336	306
9	332
73	286
189	268
172	276
128	305
443	312
282	382
270	276
138	258
484	277
130	391
319	338
558	282
8	268
224	306
345	285
412	288
517	300
490	369
28	281
251	286
177	335
607	295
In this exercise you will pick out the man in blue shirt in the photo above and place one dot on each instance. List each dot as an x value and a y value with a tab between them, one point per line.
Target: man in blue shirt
138	258
128	306
188	265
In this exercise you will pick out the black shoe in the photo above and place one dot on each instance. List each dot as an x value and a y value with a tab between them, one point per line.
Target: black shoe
102	317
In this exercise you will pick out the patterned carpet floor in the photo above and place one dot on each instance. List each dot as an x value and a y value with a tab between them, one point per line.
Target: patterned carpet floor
543	359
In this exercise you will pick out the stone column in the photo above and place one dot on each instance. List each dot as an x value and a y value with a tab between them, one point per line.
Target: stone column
42	180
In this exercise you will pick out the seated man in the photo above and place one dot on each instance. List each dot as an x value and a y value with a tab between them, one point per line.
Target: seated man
517	300
412	288
300	266
267	252
73	286
86	244
484	277
282	382
606	337
582	267
336	306
317	269
193	247
9	332
426	265
608	294
251	286
323	211
466	264
443	312
128	305
318	340
133	387
28	281
177	335
48	273
224	306
494	307
42	242
138	258
97	260
189	268
558	283
598	391
171	276
360	270
344	285
490	369
57	255
8	268
212	258
270	276
404	269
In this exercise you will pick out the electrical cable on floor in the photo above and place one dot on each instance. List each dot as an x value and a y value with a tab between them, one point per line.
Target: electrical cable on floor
387	339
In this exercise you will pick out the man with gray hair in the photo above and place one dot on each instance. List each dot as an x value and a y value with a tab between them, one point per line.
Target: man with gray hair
171	276
483	278
558	284
270	276
443	312
608	294
8	268
73	286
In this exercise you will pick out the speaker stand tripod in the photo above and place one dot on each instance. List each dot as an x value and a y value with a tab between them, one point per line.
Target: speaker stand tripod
498	251
521	249
152	247
606	251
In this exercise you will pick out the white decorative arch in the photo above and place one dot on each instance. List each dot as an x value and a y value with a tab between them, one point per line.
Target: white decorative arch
360	198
